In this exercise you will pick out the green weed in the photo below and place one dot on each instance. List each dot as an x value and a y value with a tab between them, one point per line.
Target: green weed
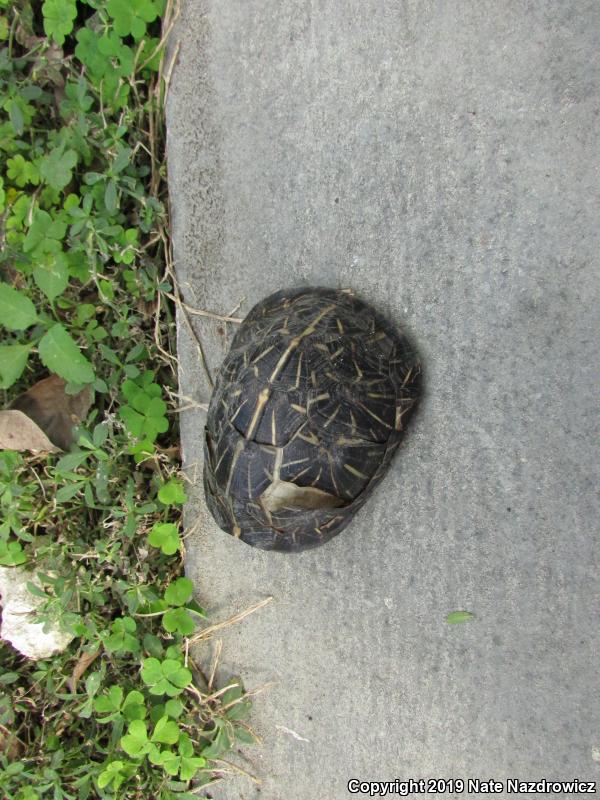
84	294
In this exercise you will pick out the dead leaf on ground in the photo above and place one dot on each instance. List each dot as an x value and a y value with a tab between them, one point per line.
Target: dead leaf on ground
24	33
48	67
85	659
18	432
10	745
54	411
147	307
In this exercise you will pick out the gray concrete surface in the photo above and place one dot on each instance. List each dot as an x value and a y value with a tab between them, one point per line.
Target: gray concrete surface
443	160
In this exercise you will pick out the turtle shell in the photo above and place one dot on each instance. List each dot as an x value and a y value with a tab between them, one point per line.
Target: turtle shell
308	409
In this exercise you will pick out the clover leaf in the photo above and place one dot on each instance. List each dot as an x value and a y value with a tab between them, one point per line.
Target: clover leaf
88	53
166	759
178	592
186	763
131	16
166	536
168	677
136	742
190	763
57	167
174	708
111	45
22	172
116	772
58	18
172	493
42	232
11	554
122	639
178	619
144	414
166	731
109	703
134	706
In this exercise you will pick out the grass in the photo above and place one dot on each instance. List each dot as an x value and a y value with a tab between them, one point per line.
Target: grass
87	295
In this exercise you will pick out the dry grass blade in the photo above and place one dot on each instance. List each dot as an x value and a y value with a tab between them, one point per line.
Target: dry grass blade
172	360
170	15
189	402
202	789
181	308
191	689
237	307
231	621
215	663
181	409
166	77
85	660
234	768
215	695
202	313
246	695
293	734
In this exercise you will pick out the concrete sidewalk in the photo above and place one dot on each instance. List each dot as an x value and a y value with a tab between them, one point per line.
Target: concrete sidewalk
443	160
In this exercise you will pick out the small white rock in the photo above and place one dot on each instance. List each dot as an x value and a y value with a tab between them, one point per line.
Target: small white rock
19	626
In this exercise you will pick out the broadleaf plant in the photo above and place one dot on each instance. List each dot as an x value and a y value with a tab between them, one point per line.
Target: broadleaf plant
86	284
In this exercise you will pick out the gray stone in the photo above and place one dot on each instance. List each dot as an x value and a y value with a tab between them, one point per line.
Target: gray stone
442	159
20	625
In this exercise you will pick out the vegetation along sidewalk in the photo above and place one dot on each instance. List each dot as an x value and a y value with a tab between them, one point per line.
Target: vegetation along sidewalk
89	456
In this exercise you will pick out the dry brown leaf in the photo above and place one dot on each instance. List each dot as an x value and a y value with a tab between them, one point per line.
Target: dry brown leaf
147	307
170	452
85	659
10	745
48	67
24	33
54	411
18	432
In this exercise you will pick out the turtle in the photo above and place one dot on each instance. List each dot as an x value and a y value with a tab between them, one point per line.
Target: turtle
308	408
